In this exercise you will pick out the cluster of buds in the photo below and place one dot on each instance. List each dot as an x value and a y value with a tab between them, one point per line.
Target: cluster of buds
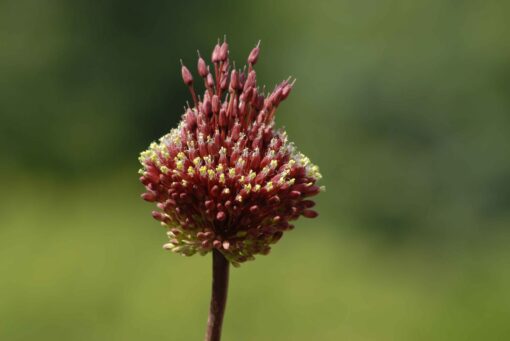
225	178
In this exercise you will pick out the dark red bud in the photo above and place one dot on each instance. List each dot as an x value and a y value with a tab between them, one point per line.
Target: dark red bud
308	203
242	79
274	200
169	204
243	108
223	118
312	190
217	139
209	204
144	180
286	91
215	190
310	213
254	55
158	216
191	119
234	80
220	216
207	106
246	95
277	236
186	75
210	80
202	68
149	196
216	104
223	52
254	96
250	81
260	102
216	54
153	174
236	131
295	194
276	97
209	234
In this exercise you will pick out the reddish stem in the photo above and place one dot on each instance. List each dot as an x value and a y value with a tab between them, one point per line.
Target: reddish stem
220	271
194	95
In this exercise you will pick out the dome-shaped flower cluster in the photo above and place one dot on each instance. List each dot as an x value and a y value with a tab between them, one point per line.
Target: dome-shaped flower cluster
225	178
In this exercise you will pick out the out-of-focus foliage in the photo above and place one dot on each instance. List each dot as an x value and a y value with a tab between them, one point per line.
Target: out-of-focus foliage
404	105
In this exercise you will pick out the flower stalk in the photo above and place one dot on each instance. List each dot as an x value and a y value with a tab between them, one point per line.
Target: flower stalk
220	274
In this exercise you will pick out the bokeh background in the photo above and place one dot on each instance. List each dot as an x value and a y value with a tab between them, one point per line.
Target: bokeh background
404	105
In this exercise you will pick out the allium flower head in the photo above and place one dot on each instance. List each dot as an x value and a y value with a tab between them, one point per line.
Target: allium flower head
225	178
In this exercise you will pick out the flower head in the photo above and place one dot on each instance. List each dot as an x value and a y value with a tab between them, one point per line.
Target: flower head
225	178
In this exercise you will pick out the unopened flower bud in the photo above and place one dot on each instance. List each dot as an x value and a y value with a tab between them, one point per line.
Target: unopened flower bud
186	75
210	80
250	81
206	106
216	104
234	81
310	213
254	55
223	53
191	119
202	68
221	216
223	118
286	91
149	196
216	54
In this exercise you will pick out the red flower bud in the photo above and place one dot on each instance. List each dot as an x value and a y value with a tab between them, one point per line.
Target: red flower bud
215	104
202	68
223	53
210	80
221	216
216	54
254	55
186	75
234	80
207	106
149	196
310	213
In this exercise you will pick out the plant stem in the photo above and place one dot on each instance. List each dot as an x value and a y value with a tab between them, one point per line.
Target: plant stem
220	270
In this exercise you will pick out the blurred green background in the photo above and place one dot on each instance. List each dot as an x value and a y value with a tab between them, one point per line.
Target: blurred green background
404	105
